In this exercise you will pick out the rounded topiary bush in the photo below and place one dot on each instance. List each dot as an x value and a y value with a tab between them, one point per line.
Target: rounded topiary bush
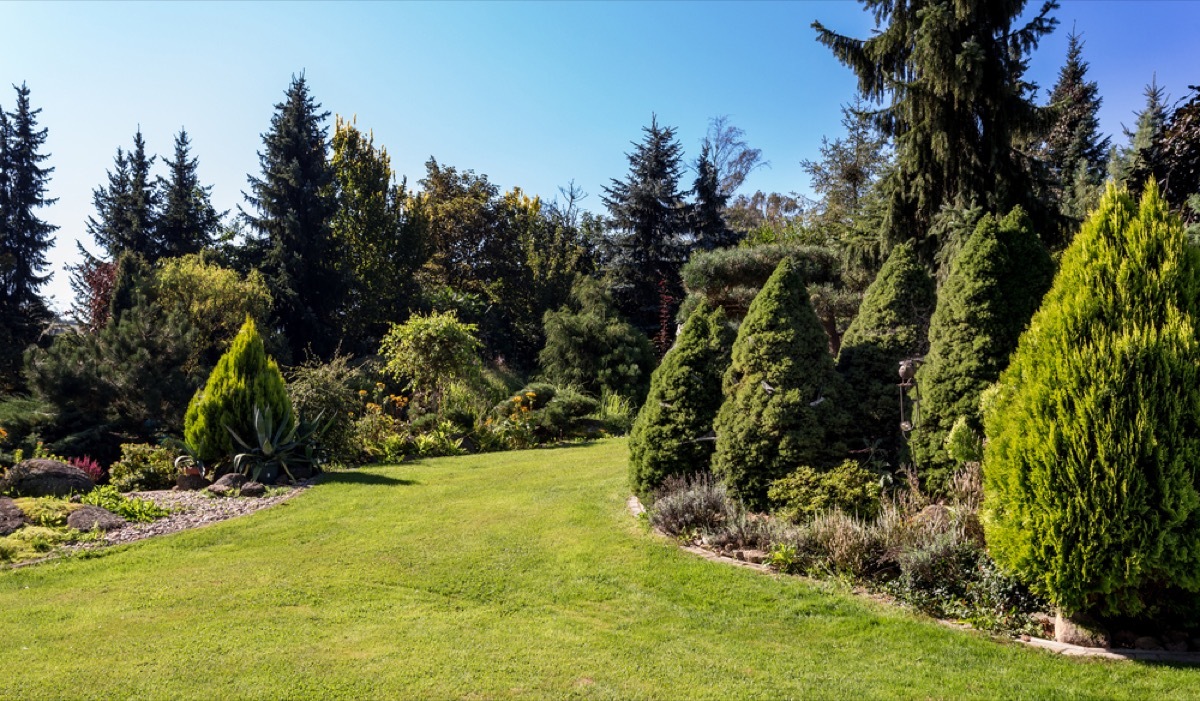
243	378
1093	437
669	434
784	401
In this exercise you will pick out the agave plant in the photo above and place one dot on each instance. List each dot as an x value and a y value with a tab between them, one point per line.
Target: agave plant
277	447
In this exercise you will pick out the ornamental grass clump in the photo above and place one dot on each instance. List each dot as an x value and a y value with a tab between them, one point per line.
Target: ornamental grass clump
1093	438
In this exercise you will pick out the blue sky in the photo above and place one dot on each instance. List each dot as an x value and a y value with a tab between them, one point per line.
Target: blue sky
532	94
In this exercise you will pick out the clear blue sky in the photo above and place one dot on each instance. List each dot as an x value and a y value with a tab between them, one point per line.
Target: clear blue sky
532	94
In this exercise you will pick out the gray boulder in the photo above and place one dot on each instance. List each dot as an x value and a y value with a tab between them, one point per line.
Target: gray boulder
11	516
233	480
89	517
190	483
45	478
253	489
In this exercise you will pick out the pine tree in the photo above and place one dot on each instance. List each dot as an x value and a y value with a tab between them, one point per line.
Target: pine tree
669	436
890	327
244	377
996	282
1133	164
24	237
126	209
380	249
295	204
1090	487
707	214
188	223
959	103
649	219
1074	150
785	405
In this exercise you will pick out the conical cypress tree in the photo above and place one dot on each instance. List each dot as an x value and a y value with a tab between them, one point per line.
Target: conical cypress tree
995	284
784	401
244	377
1090	483
890	327
668	436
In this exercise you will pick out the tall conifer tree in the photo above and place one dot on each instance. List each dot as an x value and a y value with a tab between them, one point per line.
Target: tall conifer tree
708	211
1074	150
295	204
649	217
126	209
188	222
1132	164
952	74
24	237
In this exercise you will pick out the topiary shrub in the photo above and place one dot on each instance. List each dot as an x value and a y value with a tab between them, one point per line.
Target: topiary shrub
590	346
890	326
994	286
807	492
244	377
670	434
1093	438
143	467
784	402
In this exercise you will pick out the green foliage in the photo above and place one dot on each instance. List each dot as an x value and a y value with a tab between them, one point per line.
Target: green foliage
995	284
132	509
890	326
731	277
126	207
432	353
244	378
33	541
1093	438
671	433
1132	165
48	512
143	467
186	223
807	492
328	390
963	443
589	345
278	448
785	404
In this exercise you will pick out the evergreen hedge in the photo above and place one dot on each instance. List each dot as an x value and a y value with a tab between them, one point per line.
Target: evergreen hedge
685	394
995	284
890	326
784	402
243	378
1094	435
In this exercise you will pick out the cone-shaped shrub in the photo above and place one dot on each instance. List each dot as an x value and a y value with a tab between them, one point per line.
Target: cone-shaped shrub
890	327
1090	475
995	284
243	378
784	401
669	434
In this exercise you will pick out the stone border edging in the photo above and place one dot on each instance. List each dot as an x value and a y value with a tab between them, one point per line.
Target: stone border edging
637	509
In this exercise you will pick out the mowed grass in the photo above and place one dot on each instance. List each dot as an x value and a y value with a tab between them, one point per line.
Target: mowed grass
492	576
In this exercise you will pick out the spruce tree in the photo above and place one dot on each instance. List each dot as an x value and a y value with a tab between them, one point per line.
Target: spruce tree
649	218
244	377
24	237
126	209
1090	486
707	214
785	405
890	326
1074	150
1134	163
995	284
188	223
958	103
294	203
670	434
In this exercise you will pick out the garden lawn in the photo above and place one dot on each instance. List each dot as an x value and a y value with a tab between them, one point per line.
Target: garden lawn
503	575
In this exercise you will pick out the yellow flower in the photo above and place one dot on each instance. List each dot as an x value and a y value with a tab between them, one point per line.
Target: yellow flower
531	395
378	385
362	392
516	400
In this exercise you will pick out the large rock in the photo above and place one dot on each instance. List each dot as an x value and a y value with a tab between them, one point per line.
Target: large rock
87	518
45	478
11	516
253	489
233	480
190	483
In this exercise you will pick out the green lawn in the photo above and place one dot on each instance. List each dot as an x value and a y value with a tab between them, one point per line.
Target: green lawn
503	575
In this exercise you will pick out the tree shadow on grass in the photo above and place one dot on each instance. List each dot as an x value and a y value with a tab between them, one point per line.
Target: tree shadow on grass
355	477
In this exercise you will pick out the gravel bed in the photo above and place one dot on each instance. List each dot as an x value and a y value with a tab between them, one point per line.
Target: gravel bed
189	510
